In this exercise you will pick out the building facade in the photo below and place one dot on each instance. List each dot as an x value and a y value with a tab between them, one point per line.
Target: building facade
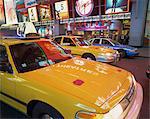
123	20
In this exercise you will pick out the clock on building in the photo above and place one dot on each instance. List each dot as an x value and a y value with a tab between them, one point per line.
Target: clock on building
84	7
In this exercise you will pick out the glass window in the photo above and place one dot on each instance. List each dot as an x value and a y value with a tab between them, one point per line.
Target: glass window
28	57
81	41
53	52
58	40
35	55
68	42
4	61
106	42
115	42
96	41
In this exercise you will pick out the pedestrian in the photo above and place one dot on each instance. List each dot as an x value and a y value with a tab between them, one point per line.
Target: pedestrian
114	4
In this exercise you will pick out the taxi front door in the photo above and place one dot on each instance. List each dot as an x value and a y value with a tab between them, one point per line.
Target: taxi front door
7	78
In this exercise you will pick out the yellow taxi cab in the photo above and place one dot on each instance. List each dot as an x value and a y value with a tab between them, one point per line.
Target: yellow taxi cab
72	88
80	47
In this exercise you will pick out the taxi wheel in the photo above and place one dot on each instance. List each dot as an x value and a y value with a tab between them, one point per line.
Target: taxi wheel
46	116
89	56
44	111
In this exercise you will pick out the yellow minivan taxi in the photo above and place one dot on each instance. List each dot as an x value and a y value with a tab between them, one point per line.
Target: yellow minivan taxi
73	88
80	47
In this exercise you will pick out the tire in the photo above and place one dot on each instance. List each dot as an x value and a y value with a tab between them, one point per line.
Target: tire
89	56
44	111
122	53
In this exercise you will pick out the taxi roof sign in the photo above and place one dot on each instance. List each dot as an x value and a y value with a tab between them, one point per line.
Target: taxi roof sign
24	30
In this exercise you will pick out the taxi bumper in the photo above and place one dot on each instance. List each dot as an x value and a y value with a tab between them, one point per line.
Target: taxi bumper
136	106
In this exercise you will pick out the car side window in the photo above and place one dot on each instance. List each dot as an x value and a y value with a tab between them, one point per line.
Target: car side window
96	41
68	42
106	42
5	66
58	40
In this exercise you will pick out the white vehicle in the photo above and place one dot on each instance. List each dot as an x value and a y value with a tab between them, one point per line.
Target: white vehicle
124	50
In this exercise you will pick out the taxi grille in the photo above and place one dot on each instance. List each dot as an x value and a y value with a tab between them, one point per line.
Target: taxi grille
130	95
128	98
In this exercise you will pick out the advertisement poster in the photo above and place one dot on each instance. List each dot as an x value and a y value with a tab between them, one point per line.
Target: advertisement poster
85	8
45	13
2	17
10	12
61	10
30	3
116	6
33	14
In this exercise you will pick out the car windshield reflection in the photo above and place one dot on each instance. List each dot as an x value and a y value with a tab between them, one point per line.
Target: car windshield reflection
35	55
81	41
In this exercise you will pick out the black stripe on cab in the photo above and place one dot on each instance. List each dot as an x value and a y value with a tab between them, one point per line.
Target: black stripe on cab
13	98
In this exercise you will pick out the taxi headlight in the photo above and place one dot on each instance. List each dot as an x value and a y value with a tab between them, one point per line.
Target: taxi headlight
117	52
109	54
102	54
106	54
112	114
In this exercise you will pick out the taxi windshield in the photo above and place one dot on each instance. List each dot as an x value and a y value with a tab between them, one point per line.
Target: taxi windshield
81	41
35	55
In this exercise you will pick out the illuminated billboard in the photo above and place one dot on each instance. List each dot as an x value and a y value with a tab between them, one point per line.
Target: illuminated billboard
32	11
10	12
45	13
30	3
2	17
116	6
84	7
61	10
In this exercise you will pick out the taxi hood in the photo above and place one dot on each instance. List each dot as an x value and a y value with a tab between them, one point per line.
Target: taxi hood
90	81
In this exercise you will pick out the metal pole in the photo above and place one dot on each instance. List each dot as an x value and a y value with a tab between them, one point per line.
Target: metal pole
73	13
136	9
99	4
